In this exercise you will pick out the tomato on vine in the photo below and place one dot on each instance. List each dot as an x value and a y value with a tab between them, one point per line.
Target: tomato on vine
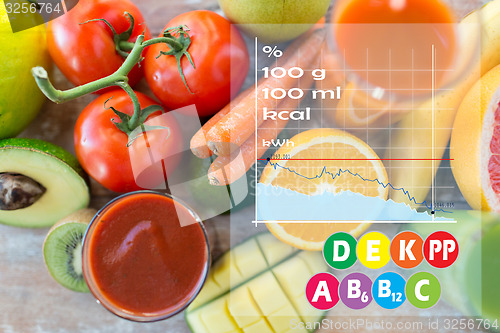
85	48
220	63
120	138
104	150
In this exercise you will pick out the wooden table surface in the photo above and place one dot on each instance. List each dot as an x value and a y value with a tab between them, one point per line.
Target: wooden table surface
31	301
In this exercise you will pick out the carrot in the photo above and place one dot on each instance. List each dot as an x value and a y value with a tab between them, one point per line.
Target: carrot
198	142
237	126
227	169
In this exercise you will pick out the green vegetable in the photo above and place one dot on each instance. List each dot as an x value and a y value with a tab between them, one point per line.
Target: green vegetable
54	169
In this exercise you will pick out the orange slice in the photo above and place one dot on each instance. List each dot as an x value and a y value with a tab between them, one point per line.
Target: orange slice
331	150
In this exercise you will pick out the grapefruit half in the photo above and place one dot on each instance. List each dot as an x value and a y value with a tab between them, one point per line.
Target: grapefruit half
475	144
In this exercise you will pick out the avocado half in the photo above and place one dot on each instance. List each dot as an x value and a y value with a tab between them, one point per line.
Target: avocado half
56	169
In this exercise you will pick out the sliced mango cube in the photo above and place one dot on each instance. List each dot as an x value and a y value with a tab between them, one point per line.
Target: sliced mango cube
259	327
195	322
217	318
280	320
242	307
225	273
293	275
297	330
307	312
274	250
209	291
267	293
314	261
249	259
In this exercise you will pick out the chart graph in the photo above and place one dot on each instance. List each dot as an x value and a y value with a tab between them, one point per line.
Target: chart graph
326	173
366	142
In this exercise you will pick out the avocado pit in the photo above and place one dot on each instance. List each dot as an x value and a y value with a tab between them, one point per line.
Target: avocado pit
18	191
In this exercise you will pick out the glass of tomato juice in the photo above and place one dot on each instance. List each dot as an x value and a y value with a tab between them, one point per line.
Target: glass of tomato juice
145	256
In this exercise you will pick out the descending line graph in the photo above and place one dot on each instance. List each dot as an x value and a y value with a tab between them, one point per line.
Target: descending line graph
324	172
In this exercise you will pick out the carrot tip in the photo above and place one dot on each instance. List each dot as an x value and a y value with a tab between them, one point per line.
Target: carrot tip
213	181
222	148
201	152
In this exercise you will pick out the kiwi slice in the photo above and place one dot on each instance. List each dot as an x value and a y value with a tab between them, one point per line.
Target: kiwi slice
62	250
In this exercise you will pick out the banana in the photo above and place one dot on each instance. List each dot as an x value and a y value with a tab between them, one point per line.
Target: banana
412	139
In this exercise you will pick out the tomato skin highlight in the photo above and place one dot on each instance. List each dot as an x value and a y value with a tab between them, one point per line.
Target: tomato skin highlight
219	54
86	52
101	148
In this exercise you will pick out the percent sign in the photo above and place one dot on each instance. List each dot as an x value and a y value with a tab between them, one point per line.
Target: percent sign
272	51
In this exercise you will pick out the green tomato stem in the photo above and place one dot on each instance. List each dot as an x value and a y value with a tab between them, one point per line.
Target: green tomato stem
133	58
178	48
118	78
134	120
60	96
125	45
171	42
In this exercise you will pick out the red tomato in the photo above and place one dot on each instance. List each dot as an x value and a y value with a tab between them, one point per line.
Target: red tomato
86	52
102	148
219	54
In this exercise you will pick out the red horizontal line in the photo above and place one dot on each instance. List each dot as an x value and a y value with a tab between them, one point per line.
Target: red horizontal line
355	159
